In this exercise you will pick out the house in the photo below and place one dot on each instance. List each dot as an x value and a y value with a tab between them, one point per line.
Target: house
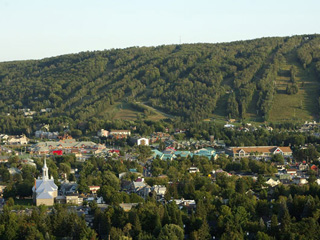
14	171
259	151
292	171
303	167
128	206
17	140
137	186
300	181
44	190
219	143
29	162
2	187
160	190
314	168
285	176
94	189
185	203
193	170
72	198
68	188
272	182
103	133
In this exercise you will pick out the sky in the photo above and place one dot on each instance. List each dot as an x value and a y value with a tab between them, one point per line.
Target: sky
36	29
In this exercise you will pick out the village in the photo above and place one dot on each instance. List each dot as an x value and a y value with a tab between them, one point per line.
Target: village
144	180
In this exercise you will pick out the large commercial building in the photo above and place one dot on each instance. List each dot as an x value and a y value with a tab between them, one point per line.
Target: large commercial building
259	151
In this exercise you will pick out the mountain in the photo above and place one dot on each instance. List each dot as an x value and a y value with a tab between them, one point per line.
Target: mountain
267	79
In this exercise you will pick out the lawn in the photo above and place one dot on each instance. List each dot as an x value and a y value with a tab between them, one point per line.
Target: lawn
24	202
124	111
301	106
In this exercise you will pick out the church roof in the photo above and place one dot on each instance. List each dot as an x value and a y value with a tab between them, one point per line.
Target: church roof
45	188
46	185
44	195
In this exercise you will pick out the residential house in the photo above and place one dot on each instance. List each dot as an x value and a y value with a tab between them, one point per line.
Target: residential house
189	204
72	198
300	181
68	188
17	140
271	182
160	190
2	187
303	167
193	170
29	162
14	171
128	206
103	133
314	168
292	171
94	189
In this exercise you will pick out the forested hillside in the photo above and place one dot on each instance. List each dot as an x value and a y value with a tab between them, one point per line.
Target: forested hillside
269	79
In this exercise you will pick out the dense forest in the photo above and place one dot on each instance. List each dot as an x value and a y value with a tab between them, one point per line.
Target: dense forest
190	82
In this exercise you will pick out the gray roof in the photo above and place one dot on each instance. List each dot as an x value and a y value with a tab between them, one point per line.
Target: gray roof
44	195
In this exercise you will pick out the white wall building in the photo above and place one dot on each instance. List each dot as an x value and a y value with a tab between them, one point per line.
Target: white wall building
44	190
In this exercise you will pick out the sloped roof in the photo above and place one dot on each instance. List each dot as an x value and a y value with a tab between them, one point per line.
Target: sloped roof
45	186
260	149
44	195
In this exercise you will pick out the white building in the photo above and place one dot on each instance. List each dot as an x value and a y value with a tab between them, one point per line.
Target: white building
143	141
120	133
44	190
17	140
272	182
103	133
193	170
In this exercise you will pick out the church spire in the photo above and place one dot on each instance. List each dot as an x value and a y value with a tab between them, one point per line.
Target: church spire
45	174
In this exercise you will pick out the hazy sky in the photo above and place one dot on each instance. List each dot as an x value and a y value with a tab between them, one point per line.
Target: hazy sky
34	29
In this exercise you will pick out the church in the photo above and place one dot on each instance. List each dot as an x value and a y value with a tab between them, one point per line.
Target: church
44	190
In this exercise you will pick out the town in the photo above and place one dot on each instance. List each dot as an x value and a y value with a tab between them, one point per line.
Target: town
120	168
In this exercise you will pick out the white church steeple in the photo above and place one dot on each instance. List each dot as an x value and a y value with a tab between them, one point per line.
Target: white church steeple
45	172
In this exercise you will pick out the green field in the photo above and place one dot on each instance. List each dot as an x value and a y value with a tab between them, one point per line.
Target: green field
301	106
124	111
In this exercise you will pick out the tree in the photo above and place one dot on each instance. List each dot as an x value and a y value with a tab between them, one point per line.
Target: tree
65	168
111	179
262	236
277	158
171	232
10	202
